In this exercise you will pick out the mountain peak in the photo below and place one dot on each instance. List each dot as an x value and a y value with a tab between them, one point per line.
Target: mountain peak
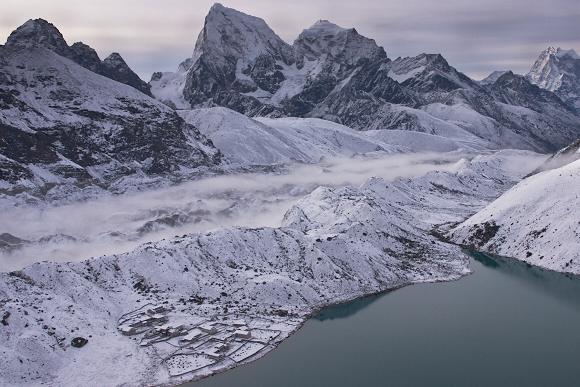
218	7
114	60
491	78
558	70
324	28
549	51
544	73
324	37
39	33
233	34
548	70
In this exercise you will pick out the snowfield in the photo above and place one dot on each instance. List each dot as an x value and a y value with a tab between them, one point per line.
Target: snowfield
265	141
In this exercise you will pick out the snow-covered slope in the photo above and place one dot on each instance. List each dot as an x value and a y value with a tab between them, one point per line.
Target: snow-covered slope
334	245
558	70
561	158
491	78
426	142
536	222
264	141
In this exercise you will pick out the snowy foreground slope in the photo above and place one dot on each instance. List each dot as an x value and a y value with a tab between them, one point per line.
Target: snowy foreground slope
537	221
333	246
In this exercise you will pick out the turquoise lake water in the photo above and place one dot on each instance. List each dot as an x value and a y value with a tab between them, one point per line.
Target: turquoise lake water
508	324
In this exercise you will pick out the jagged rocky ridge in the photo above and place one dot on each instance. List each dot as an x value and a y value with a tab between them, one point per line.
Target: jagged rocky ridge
40	33
336	74
293	270
65	128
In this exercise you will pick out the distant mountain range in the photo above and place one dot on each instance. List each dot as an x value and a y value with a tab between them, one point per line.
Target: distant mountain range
338	75
69	119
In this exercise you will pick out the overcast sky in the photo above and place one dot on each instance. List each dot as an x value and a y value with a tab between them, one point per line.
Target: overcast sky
475	36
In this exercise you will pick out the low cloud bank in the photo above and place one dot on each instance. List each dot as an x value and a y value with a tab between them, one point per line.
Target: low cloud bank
113	225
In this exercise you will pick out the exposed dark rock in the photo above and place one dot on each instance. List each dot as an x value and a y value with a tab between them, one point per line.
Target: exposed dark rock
116	69
5	318
39	33
483	233
79	342
563	157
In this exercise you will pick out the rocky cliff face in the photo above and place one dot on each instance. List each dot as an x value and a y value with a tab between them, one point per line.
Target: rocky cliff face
62	124
336	74
558	70
237	54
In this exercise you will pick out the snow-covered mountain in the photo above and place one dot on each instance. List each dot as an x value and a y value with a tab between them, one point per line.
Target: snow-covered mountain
66	128
491	78
336	74
72	125
558	70
264	141
271	278
535	222
40	33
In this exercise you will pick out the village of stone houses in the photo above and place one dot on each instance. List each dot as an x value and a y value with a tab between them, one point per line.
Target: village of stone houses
188	344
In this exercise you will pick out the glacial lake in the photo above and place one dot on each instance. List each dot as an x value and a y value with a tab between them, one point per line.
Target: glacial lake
507	324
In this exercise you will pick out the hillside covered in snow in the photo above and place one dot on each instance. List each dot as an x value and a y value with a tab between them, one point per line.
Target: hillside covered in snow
536	221
67	130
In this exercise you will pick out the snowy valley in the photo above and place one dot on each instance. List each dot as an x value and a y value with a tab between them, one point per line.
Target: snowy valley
188	225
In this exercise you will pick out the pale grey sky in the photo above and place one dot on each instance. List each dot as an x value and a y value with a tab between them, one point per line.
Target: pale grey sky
476	37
